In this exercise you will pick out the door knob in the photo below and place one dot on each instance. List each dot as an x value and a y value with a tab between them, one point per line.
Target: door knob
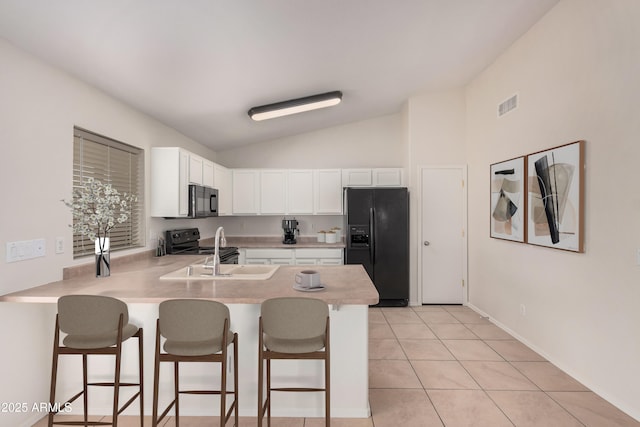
426	243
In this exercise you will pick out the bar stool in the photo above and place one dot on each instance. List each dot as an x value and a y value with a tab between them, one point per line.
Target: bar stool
292	328
94	325
195	331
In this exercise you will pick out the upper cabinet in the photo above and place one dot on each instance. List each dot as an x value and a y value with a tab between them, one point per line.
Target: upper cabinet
273	192
287	192
245	188
387	177
356	177
208	174
169	182
173	169
377	177
327	192
255	191
300	194
200	171
222	181
195	169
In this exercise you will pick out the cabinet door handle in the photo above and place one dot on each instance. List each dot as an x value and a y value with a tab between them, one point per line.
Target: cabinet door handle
426	243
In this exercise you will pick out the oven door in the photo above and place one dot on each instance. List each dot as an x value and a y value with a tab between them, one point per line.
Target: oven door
203	201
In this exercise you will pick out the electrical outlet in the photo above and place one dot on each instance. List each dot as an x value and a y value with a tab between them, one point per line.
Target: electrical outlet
523	310
39	248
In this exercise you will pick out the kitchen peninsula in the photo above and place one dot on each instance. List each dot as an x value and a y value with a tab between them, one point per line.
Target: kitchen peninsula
348	291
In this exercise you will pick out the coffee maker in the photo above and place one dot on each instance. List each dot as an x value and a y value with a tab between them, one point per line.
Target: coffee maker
290	227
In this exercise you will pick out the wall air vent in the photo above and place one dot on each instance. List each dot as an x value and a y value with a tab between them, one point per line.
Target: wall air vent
508	105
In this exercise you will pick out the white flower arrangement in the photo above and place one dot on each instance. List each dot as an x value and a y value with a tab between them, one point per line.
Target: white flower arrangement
97	208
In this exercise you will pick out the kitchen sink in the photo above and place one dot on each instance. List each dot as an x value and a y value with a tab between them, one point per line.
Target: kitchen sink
227	272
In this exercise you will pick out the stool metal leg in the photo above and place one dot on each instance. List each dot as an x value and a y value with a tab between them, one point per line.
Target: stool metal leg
223	385
85	393
54	373
235	378
141	376
176	389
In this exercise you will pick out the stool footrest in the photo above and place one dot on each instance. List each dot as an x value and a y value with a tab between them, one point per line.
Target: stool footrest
297	389
216	392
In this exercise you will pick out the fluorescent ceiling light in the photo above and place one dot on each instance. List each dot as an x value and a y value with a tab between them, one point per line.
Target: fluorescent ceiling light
294	106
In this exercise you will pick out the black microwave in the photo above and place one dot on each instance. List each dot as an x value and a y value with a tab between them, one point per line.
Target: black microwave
203	201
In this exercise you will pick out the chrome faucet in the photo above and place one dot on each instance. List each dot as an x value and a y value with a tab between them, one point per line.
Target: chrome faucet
215	265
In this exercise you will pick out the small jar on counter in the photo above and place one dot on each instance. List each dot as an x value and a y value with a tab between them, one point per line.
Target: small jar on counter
338	232
321	236
331	237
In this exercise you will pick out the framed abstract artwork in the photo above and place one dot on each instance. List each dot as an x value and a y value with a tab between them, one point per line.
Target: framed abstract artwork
508	201
556	197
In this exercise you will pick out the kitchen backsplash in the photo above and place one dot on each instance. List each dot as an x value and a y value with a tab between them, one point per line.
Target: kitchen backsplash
272	225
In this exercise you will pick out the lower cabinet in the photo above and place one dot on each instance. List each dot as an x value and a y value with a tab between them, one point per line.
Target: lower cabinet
303	256
329	256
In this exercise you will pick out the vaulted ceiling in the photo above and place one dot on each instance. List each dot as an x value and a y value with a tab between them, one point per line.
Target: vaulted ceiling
199	65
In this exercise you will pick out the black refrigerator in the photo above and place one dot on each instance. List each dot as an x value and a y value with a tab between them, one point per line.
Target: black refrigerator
377	227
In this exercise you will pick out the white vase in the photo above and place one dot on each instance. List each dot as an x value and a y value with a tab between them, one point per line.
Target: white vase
103	262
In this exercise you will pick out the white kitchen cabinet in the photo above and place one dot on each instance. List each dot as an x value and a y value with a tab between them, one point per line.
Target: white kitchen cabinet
302	256
246	191
222	182
200	171
269	256
387	177
208	177
356	178
376	177
327	192
169	182
273	192
256	261
318	256
195	169
300	192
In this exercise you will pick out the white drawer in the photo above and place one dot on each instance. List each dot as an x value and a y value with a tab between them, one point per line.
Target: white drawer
269	253
319	253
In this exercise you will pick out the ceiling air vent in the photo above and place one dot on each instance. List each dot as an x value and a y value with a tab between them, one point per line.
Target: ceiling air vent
508	105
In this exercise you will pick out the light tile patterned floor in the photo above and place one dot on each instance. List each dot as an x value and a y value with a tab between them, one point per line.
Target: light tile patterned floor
447	366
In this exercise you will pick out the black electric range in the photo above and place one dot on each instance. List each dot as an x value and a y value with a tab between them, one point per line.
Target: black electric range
186	241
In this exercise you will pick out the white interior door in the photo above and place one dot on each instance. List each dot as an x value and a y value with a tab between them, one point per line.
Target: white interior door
443	235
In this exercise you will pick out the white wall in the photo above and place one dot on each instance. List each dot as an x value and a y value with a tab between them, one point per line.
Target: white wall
368	143
576	73
39	107
435	131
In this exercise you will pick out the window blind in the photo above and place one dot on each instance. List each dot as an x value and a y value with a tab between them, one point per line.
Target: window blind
122	166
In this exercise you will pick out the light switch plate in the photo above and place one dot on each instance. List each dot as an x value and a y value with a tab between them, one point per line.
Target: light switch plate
59	245
26	249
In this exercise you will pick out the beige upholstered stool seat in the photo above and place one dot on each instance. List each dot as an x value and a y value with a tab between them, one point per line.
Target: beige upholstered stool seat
106	339
304	345
95	325
195	331
292	328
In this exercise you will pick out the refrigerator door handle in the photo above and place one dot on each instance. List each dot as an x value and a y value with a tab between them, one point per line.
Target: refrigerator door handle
372	240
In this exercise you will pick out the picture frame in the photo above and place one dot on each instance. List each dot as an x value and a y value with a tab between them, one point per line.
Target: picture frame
555	197
508	200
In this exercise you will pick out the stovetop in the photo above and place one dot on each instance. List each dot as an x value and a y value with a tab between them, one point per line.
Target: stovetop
186	242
